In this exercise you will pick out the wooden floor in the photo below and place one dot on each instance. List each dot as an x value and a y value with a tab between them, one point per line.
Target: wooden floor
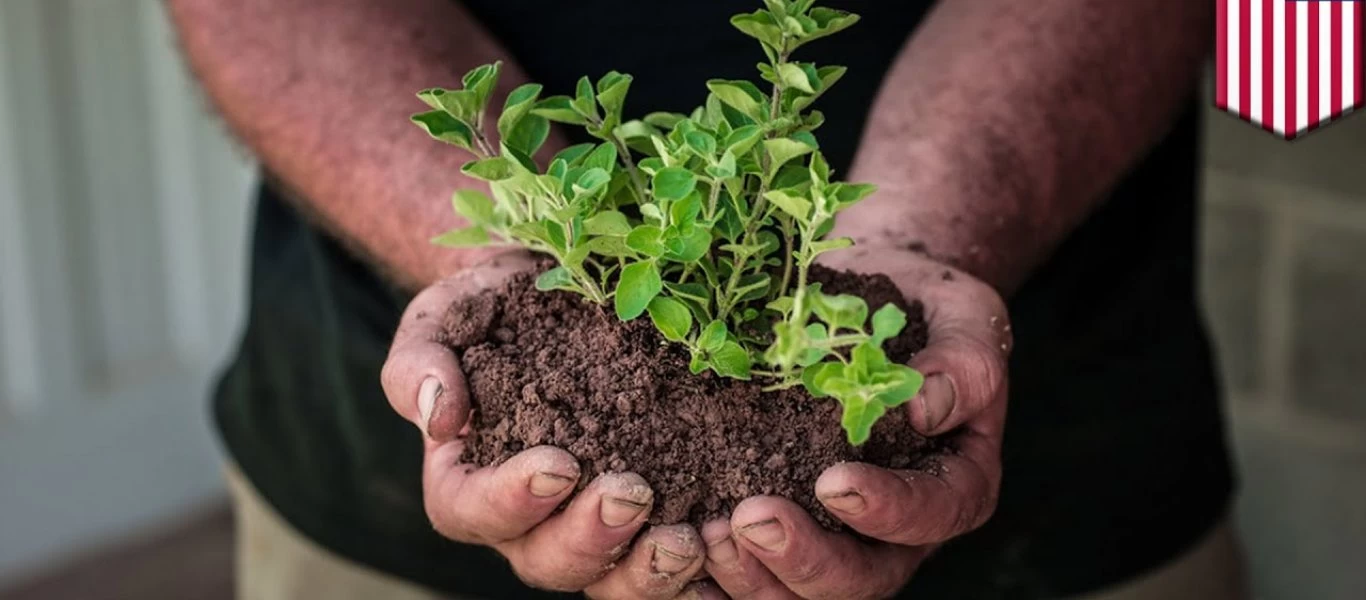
190	560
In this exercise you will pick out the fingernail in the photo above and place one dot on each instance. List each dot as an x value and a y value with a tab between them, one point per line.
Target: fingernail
848	502
620	511
722	550
768	534
545	485
937	400
426	399
668	562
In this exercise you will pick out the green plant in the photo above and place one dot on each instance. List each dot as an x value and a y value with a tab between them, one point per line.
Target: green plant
712	232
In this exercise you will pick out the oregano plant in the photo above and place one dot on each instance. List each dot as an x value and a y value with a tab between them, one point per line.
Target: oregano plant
707	222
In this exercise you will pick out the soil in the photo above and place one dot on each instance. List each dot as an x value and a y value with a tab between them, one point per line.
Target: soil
551	368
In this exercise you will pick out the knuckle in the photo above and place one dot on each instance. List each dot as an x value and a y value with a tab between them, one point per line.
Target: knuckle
535	570
807	571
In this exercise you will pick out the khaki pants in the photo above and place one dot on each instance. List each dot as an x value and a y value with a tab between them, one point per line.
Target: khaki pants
275	562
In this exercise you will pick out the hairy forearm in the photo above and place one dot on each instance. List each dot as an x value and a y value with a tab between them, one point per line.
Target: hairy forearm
1003	124
320	91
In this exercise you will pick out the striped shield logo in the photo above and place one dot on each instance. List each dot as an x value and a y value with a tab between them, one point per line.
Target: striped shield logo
1288	66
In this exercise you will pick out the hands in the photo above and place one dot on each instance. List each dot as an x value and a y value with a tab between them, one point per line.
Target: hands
771	548
509	507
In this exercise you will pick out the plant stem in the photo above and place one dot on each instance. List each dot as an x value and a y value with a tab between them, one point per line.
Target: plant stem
483	142
787	258
713	199
636	181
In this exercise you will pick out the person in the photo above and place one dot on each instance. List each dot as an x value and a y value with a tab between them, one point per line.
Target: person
1042	152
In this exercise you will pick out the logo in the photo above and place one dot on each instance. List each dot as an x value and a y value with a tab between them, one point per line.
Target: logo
1288	66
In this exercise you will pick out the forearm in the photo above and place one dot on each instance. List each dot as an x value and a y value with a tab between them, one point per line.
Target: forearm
1002	124
320	91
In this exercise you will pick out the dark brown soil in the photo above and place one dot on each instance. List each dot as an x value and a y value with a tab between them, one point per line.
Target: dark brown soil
550	368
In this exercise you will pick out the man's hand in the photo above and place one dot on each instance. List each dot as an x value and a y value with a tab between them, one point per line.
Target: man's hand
771	548
509	507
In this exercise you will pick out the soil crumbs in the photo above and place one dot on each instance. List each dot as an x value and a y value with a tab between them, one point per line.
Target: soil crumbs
550	368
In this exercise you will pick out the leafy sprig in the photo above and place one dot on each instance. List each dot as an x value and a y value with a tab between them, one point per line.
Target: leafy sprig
708	222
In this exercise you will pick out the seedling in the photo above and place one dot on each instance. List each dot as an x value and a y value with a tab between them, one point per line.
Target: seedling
708	222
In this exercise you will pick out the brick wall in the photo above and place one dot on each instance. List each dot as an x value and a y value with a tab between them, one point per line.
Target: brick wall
1284	266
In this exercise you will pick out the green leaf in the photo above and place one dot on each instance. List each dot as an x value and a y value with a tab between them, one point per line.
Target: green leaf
518	104
736	95
781	150
559	109
647	240
651	211
693	246
898	383
782	304
612	90
673	183
609	222
446	128
701	143
888	321
474	206
695	292
573	153
865	361
713	336
753	286
463	238
489	169
520	160
585	99
671	318
820	170
743	138
528	134
846	194
829	22
558	278
859	416
697	364
463	105
790	203
724	168
684	212
822	246
731	360
844	311
815	377
794	76
555	234
481	81
760	26
603	157
610	245
639	284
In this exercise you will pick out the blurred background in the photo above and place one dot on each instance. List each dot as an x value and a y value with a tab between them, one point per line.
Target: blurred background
123	221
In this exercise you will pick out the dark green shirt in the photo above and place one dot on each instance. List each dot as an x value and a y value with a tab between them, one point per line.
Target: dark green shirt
1114	456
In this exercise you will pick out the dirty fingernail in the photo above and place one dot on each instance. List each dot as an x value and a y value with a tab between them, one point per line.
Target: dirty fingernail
426	400
768	534
937	400
620	511
545	485
848	502
668	562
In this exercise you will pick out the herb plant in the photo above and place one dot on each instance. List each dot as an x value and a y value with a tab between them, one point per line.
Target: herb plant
708	222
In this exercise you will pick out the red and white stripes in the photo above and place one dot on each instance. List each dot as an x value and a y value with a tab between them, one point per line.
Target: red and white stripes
1288	66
